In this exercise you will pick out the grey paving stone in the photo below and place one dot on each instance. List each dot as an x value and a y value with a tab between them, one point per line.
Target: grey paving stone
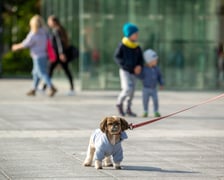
46	138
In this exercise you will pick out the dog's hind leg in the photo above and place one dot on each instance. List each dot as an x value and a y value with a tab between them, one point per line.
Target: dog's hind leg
90	155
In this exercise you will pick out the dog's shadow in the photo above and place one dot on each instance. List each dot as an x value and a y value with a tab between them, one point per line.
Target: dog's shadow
153	169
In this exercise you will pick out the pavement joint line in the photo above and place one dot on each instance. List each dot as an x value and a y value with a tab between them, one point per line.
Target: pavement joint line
4	174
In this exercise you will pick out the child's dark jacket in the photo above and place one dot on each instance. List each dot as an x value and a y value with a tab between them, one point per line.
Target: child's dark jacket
128	58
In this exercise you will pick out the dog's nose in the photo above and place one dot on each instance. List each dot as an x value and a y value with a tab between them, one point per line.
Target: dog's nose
115	127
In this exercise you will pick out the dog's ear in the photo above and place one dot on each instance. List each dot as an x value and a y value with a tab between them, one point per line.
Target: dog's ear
103	125
124	124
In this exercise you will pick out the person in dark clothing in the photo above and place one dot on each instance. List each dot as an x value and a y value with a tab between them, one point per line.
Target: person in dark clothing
220	54
129	58
60	43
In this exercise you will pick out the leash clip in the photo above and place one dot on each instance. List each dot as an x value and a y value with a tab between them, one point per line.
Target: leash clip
130	126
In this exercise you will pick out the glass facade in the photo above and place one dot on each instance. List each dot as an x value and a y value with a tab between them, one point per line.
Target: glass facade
184	33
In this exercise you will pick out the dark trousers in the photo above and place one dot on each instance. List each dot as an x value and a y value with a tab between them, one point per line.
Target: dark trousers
65	67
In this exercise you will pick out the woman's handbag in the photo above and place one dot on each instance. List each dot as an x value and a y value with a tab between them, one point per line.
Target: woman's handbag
71	53
50	51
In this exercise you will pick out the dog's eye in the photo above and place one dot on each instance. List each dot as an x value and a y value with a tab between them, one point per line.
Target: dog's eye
114	124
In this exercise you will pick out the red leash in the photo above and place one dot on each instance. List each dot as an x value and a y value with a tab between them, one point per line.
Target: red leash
133	126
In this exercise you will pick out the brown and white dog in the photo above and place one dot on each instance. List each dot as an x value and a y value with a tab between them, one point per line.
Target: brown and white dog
106	142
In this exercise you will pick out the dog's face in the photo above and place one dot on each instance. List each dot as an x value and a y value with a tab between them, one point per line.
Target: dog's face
113	125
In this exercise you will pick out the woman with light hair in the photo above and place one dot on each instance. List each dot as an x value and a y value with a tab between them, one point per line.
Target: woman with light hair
36	41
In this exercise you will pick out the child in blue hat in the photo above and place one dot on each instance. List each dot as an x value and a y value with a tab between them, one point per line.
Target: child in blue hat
128	56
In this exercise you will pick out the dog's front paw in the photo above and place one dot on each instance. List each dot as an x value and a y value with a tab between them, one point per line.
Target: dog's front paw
100	167
98	164
108	162
117	166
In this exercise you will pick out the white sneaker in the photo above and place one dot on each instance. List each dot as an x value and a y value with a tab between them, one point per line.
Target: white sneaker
71	93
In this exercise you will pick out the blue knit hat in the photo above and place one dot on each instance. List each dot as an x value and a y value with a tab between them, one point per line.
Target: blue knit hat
129	29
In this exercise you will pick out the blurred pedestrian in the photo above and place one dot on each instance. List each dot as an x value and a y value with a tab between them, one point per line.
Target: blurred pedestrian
220	63
150	76
36	41
60	43
128	56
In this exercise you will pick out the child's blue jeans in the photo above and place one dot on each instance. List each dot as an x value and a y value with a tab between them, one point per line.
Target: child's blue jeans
146	93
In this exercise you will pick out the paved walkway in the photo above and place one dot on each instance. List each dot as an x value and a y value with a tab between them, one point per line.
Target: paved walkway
46	138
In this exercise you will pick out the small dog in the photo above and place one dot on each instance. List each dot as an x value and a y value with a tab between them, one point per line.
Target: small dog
106	142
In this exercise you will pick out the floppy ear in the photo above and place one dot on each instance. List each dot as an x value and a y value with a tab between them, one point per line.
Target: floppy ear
124	124
103	125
